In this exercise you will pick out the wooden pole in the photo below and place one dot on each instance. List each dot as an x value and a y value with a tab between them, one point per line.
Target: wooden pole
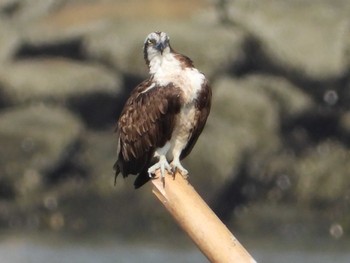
207	231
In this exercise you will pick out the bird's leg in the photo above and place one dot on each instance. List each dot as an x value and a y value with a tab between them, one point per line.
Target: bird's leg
177	166
162	164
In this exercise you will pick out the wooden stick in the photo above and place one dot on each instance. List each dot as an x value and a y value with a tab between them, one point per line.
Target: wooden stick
196	218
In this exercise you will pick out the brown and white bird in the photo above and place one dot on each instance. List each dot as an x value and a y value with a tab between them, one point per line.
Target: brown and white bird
164	115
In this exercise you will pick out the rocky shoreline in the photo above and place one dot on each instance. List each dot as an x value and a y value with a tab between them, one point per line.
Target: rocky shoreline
278	136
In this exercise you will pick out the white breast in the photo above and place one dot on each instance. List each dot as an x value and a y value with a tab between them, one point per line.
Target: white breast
169	70
190	80
182	131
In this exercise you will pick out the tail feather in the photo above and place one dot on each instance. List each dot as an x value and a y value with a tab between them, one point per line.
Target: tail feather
117	171
137	167
141	179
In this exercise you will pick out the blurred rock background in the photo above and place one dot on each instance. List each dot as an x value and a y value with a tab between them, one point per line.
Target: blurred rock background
274	157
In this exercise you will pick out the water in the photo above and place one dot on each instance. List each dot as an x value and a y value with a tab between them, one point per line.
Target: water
16	249
300	256
25	250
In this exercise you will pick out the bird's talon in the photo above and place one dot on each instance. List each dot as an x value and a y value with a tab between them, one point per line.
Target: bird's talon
161	165
178	168
152	176
185	176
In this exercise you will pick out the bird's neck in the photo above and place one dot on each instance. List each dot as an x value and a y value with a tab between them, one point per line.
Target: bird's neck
164	63
177	69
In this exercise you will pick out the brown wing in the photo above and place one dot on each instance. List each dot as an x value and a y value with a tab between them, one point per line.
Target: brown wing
145	124
202	105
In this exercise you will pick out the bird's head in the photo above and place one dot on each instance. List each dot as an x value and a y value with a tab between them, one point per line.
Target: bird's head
156	44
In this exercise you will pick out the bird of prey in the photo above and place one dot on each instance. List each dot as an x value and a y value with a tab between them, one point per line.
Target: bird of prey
164	115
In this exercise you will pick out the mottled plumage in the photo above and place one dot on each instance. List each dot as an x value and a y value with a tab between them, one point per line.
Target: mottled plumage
164	115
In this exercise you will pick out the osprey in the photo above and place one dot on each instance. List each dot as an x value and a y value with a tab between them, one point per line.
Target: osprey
164	115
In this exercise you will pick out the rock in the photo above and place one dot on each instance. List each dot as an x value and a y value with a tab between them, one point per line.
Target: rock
291	37
51	30
35	141
25	11
323	174
9	41
74	20
289	100
55	80
244	123
210	47
344	125
109	204
347	47
7	4
98	154
91	90
8	8
56	28
242	120
266	140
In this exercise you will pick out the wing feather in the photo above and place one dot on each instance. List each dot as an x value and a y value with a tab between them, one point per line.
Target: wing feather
146	123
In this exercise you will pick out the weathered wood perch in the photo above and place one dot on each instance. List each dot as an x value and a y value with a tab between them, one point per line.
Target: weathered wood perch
190	211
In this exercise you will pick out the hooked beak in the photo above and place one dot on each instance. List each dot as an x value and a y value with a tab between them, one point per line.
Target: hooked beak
160	47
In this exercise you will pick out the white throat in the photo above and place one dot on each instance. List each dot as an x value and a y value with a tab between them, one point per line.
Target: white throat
160	63
167	69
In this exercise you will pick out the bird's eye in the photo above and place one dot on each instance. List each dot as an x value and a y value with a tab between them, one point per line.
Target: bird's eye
151	41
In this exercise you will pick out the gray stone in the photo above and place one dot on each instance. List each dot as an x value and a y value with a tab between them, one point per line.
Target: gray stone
91	90
57	28
211	48
55	80
347	46
5	4
25	11
9	41
289	100
307	36
323	174
52	54
245	119
66	21
34	141
98	155
109	203
344	124
242	120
